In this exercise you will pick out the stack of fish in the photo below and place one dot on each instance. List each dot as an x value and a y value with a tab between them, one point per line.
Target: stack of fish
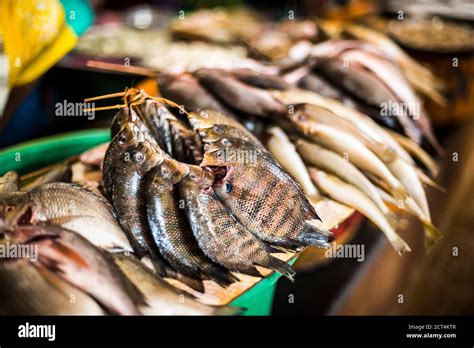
343	148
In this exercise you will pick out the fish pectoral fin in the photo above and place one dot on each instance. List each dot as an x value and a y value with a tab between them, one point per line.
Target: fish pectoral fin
71	255
279	266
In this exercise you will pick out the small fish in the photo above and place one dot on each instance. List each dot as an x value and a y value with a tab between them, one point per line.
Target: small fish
332	162
250	184
128	137
161	297
220	236
285	153
260	80
248	99
9	182
82	265
69	206
349	147
185	90
170	229
32	289
353	197
129	202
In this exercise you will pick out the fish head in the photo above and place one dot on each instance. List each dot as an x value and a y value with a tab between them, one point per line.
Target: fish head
14	210
199	177
128	136
216	132
146	156
207	118
173	170
215	157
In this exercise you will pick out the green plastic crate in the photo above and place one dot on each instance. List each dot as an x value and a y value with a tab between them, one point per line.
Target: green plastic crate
32	155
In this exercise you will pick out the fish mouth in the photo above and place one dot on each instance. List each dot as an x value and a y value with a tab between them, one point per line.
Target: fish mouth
220	173
26	217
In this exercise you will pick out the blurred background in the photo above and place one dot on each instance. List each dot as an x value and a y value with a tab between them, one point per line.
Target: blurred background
81	56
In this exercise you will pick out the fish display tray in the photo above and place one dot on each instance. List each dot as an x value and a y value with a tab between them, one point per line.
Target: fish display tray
253	293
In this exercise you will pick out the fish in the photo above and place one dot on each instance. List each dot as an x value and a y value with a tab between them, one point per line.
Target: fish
260	80
170	230
9	182
364	85
348	194
61	172
417	151
219	234
250	184
394	79
129	202
185	90
212	126
332	162
32	289
82	265
69	206
285	153
128	137
162	298
349	147
156	117
187	145
245	98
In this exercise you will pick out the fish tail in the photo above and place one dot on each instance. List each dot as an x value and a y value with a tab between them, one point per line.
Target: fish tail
312	235
220	275
281	267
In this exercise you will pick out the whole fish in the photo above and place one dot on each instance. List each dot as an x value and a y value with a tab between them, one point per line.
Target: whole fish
69	206
250	184
285	153
128	137
129	202
9	182
260	80
248	99
350	147
161	297
332	162
220	236
32	289
170	229
82	265
185	90
364	85
353	197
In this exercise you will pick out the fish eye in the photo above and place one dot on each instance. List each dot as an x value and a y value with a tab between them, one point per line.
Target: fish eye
122	139
226	142
165	172
9	208
220	154
138	157
218	129
192	176
202	134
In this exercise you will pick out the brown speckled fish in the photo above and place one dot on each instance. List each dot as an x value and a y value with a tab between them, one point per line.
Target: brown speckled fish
262	195
170	229
220	236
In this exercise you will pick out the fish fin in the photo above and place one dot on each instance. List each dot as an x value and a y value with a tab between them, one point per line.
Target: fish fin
314	225
273	249
195	284
399	245
227	310
220	275
281	267
312	235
